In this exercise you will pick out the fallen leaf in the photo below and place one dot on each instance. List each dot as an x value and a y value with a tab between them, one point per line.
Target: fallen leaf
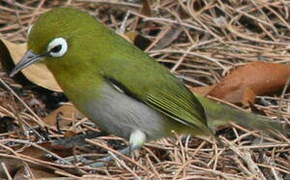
12	165
66	114
204	90
38	153
130	36
243	84
137	39
69	134
15	166
36	73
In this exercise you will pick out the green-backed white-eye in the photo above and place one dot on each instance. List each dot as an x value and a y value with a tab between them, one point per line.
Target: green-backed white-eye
119	87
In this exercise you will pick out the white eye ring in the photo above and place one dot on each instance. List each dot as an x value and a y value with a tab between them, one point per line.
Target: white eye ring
57	47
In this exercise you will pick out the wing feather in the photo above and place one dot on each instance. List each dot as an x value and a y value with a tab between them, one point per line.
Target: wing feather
180	106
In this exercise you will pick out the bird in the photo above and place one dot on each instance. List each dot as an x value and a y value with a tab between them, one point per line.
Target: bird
119	87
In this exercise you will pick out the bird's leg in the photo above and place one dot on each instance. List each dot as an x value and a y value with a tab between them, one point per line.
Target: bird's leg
137	139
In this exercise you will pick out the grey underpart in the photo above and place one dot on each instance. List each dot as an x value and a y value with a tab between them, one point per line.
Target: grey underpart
120	114
117	113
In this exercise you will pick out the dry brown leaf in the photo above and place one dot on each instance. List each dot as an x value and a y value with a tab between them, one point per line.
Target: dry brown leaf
243	84
137	39
69	134
204	90
12	165
66	112
36	73
37	153
130	36
15	165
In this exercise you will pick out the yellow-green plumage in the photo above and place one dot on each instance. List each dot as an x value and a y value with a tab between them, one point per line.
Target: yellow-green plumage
118	86
96	52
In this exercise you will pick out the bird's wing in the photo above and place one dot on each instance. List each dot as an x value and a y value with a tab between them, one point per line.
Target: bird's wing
167	95
178	103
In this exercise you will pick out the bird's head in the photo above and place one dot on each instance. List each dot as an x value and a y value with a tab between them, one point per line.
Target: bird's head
57	36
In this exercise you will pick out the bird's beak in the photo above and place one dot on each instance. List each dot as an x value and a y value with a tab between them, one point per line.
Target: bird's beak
28	59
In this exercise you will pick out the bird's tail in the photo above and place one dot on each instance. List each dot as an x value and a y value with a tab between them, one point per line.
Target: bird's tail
221	115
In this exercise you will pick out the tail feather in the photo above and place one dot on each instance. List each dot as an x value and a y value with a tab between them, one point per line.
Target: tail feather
221	114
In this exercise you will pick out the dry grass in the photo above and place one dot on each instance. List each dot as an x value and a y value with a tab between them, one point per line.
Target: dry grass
199	40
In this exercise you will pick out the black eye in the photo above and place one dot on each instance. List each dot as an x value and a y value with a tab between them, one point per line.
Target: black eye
56	49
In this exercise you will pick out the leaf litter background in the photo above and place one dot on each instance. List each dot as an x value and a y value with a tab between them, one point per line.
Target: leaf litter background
201	42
